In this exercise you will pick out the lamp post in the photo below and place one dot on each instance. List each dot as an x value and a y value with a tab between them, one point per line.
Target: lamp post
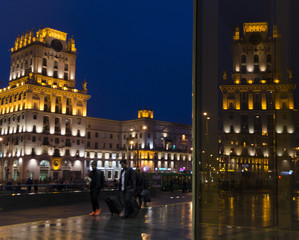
207	118
144	127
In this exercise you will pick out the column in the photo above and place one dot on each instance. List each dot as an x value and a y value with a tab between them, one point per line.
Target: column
53	103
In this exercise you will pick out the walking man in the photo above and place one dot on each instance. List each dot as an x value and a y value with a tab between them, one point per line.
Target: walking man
96	184
127	187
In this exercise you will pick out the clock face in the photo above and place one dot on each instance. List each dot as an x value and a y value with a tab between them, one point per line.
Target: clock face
255	38
56	45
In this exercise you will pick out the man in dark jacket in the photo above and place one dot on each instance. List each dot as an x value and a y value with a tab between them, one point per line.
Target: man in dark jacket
127	186
96	184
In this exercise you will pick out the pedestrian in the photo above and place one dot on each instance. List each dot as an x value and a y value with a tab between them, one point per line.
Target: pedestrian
140	186
184	187
29	184
171	185
127	187
96	184
189	186
35	186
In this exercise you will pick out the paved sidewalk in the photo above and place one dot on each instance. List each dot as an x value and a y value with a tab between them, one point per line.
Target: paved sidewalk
78	209
169	217
154	223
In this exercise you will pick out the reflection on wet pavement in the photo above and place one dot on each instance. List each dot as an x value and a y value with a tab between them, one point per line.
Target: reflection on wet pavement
230	217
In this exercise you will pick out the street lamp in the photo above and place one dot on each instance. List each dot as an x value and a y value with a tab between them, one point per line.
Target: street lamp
144	127
207	118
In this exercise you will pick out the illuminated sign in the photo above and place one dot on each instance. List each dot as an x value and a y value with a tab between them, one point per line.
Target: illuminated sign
56	163
286	172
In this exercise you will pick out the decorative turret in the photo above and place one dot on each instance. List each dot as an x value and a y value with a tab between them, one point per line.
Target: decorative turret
71	45
236	35
145	113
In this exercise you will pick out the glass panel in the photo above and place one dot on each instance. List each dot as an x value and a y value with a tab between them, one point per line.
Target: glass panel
243	126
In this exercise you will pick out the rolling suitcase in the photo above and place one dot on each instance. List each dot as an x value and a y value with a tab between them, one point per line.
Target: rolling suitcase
113	204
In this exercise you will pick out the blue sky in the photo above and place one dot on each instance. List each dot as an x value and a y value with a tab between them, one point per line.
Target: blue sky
133	53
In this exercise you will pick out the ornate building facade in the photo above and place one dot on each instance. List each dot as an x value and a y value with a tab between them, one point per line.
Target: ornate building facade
258	108
46	133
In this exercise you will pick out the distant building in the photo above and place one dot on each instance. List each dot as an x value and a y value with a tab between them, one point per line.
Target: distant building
258	108
46	133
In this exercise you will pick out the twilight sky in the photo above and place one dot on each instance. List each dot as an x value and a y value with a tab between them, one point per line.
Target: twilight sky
133	53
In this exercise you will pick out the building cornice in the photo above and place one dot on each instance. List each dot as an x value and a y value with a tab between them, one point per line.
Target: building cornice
258	87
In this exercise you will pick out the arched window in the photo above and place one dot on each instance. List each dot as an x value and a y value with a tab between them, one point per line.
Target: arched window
44	163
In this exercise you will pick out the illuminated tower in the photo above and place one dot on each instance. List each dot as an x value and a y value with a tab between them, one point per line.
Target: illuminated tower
42	119
257	106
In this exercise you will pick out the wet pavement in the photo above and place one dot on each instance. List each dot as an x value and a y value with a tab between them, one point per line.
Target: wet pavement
168	217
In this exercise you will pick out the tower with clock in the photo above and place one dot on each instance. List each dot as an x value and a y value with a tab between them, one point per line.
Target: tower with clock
42	114
258	107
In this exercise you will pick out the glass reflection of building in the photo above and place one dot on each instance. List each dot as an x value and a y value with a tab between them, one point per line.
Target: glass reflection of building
258	108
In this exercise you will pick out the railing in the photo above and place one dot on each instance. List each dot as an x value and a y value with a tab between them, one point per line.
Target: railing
17	189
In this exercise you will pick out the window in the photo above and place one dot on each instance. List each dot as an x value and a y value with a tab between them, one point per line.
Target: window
103	145
33	139
244	123
256	58
111	136
96	134
57	121
55	74
34	116
269	58
66	67
109	174
78	142
256	69
96	145
44	163
88	135
88	144
110	145
65	76
56	140
243	69
67	152
44	62
55	64
243	59
103	135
